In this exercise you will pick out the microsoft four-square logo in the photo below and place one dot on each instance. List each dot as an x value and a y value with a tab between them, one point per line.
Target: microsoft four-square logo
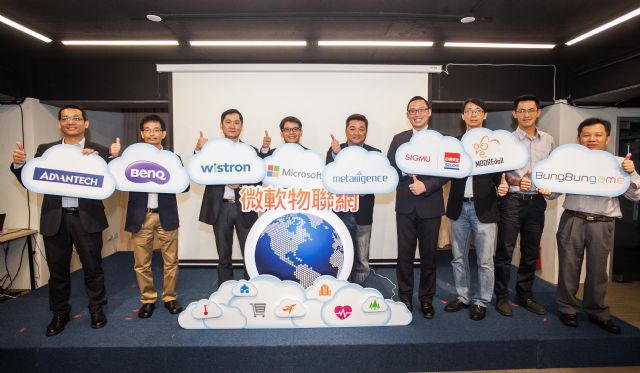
273	171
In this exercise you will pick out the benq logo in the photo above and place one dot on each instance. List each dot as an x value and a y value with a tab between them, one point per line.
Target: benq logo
451	157
418	158
143	172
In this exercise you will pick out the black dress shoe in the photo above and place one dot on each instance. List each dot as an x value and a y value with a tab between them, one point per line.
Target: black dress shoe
98	319
569	319
477	312
407	302
455	305
57	324
173	307
607	325
530	305
146	310
427	310
503	306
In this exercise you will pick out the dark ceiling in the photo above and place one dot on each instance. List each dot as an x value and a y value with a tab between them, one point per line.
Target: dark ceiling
514	21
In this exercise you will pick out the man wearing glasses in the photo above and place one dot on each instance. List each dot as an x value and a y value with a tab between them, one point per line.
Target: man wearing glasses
522	212
358	223
68	222
419	208
291	132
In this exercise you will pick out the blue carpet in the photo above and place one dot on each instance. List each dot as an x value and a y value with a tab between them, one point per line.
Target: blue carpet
451	341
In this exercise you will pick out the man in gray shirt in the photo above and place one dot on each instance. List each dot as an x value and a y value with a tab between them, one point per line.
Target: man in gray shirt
587	224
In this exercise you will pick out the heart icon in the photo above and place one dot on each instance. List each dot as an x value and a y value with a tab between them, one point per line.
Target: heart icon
342	311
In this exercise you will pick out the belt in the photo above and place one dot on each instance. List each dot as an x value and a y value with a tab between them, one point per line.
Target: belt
70	210
590	217
229	200
524	196
467	199
153	211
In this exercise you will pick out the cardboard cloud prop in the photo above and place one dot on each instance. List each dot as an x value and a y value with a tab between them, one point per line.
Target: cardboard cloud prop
145	168
430	153
494	151
357	171
284	304
292	166
575	169
64	171
222	161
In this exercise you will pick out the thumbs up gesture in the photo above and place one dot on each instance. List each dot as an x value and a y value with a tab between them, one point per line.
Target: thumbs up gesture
115	148
266	140
335	145
19	156
503	188
525	182
201	141
417	187
627	164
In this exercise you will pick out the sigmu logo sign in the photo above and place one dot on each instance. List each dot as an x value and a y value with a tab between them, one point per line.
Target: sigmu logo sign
418	158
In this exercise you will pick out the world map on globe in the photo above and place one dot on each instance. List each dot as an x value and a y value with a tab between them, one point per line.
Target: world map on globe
299	247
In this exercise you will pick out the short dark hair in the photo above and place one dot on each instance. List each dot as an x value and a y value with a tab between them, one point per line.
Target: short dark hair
418	98
152	118
592	121
527	97
75	107
229	112
359	117
477	101
290	119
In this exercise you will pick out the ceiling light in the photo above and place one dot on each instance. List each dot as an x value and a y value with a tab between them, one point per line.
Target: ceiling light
26	30
499	45
608	25
247	43
468	19
372	43
121	42
154	17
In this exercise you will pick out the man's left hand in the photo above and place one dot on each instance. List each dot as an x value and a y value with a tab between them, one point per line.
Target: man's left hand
417	187
627	164
114	151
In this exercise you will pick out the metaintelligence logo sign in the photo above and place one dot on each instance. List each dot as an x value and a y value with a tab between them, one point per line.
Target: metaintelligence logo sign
357	171
222	161
292	166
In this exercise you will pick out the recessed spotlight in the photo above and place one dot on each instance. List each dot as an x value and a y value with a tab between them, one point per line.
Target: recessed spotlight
468	19
154	17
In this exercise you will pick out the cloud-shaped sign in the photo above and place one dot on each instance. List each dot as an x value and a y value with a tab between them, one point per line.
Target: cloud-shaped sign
64	171
357	171
286	304
494	151
292	166
222	161
575	169
430	153
145	168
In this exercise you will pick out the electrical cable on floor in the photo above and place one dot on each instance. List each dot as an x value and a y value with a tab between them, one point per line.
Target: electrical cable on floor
393	290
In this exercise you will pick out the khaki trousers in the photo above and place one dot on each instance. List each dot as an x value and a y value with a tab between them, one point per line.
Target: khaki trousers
142	244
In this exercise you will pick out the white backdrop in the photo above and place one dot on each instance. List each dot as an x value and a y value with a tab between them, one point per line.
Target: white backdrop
321	96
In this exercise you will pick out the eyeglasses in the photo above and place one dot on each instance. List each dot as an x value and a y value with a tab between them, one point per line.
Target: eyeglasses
525	111
417	111
291	130
474	112
71	119
154	131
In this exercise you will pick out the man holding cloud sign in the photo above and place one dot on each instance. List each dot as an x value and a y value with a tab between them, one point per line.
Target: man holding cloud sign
68	222
587	224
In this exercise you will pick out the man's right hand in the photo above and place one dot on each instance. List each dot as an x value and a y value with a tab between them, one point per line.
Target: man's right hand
19	156
335	145
201	141
266	140
525	182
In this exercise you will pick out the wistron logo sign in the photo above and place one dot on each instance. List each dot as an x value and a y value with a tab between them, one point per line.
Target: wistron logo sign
222	161
225	167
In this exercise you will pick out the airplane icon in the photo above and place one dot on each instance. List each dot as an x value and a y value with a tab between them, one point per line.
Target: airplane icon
289	308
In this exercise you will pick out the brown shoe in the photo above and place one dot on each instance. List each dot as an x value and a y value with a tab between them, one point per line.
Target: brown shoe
503	306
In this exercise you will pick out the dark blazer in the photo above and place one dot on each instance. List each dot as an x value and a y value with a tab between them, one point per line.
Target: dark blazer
91	212
364	215
271	151
485	198
429	204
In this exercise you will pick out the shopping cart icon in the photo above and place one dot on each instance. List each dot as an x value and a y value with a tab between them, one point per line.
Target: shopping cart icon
258	309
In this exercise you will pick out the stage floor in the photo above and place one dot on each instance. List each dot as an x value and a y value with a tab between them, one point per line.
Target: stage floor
451	341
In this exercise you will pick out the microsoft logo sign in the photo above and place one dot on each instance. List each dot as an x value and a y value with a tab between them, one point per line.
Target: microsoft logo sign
273	171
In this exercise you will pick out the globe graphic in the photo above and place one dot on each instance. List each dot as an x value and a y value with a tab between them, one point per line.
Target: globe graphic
299	247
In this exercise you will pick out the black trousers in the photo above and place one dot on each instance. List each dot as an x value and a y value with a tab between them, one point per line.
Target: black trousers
230	218
58	249
414	230
526	218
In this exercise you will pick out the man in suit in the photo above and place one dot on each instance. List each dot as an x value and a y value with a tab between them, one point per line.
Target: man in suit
221	204
152	215
358	223
473	209
419	207
291	132
66	222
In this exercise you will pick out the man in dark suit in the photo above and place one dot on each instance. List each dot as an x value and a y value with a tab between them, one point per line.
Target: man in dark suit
473	209
291	132
419	207
358	223
66	222
152	215
221	204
